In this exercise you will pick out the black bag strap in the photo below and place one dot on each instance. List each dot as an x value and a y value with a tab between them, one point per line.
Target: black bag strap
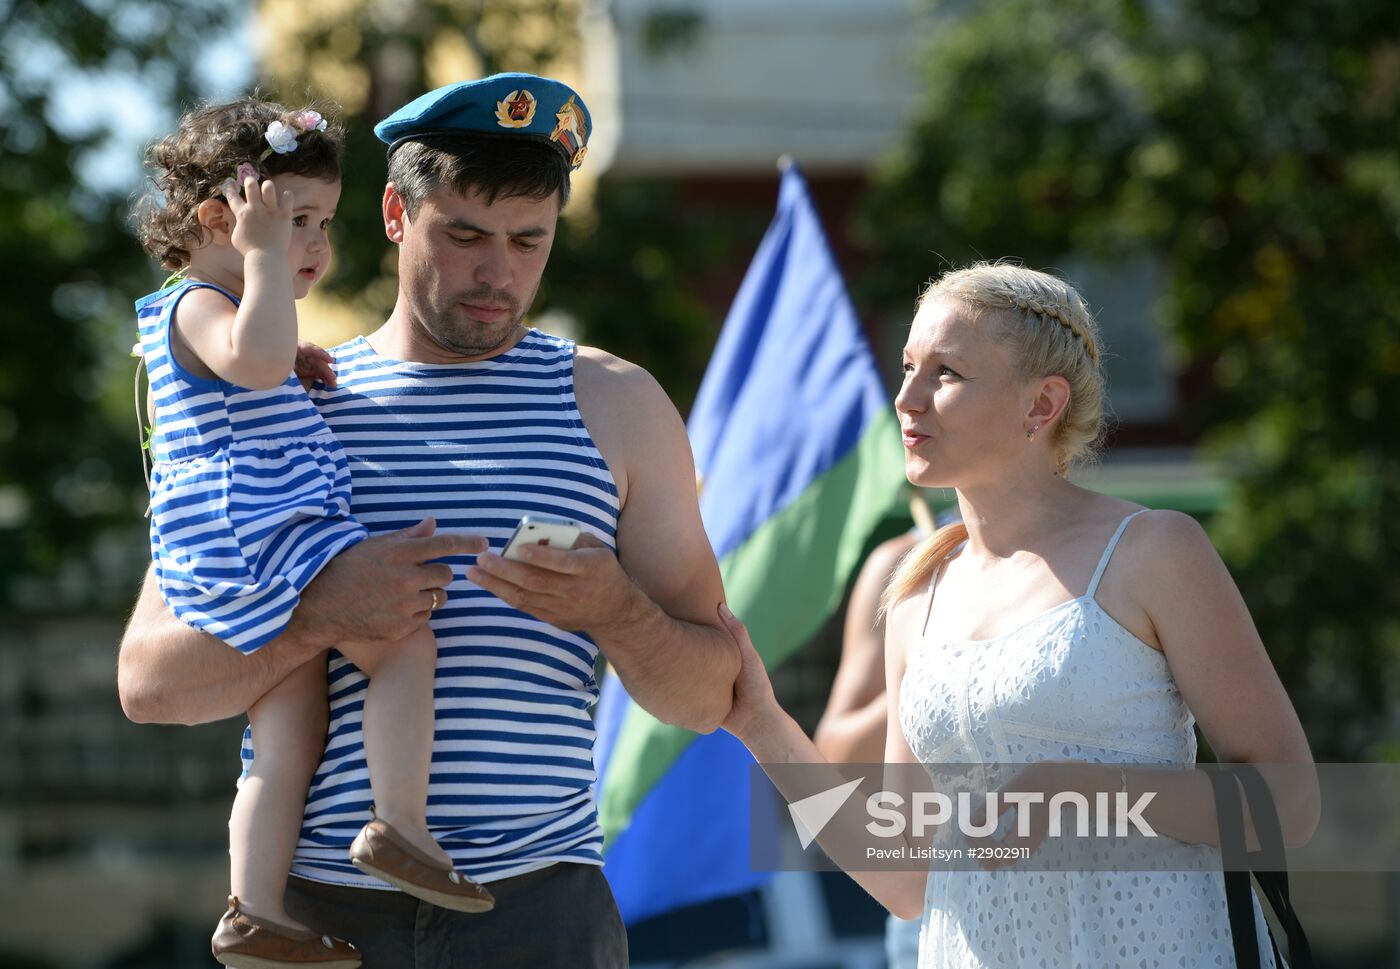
1272	872
1239	902
1270	857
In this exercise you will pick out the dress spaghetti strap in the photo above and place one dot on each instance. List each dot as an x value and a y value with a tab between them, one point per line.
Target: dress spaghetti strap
1108	553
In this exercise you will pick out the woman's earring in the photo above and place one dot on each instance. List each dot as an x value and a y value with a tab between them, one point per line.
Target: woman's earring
1030	435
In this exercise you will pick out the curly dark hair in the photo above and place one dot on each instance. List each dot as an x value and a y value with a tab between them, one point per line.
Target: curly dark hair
189	166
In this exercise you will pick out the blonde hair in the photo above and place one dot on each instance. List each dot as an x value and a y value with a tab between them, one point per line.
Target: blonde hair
1050	331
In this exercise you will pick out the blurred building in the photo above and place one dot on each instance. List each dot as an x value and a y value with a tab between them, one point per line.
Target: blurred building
112	834
723	88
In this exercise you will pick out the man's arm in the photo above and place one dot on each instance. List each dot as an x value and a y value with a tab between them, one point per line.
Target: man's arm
168	672
652	608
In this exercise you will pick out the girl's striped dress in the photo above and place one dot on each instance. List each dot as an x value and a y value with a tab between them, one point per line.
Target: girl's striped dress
250	491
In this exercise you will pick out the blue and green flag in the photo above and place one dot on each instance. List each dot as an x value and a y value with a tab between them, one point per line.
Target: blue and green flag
798	454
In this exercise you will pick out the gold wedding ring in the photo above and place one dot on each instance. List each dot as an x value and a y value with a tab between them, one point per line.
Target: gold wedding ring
436	604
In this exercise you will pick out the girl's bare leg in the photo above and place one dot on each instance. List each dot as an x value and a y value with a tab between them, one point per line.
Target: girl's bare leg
398	731
289	737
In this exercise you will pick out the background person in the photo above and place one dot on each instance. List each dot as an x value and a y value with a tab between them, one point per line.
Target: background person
852	727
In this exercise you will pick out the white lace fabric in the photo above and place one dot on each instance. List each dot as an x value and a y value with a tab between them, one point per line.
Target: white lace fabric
1071	683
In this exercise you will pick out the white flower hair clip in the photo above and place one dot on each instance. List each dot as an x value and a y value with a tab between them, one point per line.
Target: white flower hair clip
281	139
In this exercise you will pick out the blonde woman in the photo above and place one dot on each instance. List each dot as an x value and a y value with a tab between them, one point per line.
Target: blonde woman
1051	624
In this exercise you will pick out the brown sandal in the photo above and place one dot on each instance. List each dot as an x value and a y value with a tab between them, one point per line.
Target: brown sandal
246	942
381	851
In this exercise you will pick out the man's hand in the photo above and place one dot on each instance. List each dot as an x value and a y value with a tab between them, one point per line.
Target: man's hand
379	590
580	589
383	588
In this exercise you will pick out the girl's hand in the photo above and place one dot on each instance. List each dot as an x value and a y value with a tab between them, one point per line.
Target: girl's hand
753	692
263	216
313	364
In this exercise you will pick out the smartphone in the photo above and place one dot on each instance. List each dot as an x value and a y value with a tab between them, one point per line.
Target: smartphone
542	530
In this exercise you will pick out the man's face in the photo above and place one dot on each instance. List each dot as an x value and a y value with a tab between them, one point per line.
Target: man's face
469	269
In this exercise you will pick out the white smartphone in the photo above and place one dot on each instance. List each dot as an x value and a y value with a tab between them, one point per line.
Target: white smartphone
542	530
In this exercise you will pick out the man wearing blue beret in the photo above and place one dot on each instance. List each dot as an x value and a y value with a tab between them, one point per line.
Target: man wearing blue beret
458	420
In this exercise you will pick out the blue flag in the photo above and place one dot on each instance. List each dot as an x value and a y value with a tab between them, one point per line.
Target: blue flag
799	458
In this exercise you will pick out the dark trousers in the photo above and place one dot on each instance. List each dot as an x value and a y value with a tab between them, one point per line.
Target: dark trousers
563	915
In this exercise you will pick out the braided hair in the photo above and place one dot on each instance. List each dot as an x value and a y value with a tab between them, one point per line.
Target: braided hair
1050	330
1074	322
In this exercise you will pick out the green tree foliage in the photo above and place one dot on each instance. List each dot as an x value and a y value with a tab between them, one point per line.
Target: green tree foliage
1252	149
71	268
649	275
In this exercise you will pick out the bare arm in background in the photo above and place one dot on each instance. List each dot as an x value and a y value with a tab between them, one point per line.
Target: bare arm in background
852	729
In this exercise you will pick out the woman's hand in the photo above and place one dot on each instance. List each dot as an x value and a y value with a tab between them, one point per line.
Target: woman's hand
754	703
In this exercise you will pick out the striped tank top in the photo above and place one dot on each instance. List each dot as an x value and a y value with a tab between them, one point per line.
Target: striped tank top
475	446
250	491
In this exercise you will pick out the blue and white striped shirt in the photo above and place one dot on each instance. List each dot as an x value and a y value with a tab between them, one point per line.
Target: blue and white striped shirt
475	446
250	492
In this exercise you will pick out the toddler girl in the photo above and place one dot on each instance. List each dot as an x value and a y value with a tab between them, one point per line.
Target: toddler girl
250	498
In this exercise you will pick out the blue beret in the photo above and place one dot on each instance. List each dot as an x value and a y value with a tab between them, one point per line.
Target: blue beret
502	104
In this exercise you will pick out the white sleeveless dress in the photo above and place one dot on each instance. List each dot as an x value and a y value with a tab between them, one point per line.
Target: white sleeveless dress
1069	684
